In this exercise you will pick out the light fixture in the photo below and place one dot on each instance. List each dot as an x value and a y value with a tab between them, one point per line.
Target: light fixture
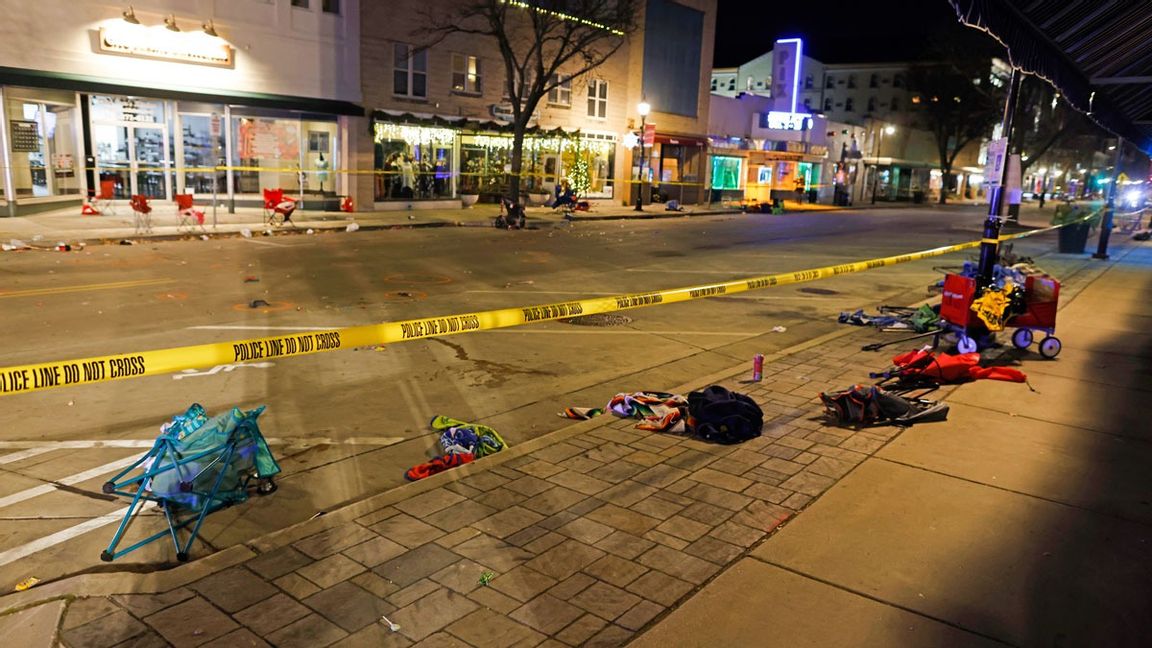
210	29
643	108
170	23
888	130
130	16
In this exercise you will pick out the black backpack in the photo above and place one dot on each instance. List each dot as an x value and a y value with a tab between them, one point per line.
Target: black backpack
722	416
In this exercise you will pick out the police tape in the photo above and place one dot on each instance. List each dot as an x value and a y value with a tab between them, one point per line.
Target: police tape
48	375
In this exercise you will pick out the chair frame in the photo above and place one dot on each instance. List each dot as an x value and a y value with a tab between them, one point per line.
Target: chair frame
187	213
102	200
141	214
273	199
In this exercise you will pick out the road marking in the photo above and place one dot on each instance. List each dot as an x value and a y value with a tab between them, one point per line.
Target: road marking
226	368
48	446
419	416
62	536
20	456
34	292
262	242
44	489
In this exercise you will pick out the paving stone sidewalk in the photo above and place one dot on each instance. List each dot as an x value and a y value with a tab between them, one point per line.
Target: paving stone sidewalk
589	538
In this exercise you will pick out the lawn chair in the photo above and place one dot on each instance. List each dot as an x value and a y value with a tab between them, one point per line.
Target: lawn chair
101	201
142	214
198	465
276	204
188	214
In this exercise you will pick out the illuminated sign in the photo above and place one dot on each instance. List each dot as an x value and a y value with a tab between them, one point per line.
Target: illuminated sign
785	120
159	43
786	55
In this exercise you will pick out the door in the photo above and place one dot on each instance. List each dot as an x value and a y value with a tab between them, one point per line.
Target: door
150	161
135	157
113	162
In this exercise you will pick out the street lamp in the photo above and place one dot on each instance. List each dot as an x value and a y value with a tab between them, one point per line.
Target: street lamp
876	173
643	108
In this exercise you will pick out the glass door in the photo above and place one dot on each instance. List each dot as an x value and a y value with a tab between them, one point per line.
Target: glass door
113	163
149	161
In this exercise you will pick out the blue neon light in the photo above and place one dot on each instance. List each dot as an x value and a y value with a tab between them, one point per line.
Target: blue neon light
796	74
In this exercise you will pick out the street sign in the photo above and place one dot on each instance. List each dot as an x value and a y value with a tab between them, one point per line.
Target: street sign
649	134
994	168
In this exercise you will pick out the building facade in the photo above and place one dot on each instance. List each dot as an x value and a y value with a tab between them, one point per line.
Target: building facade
439	120
207	97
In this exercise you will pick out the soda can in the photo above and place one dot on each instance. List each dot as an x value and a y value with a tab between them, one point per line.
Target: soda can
757	367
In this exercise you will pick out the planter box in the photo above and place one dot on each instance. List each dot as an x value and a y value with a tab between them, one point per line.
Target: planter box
1073	238
467	200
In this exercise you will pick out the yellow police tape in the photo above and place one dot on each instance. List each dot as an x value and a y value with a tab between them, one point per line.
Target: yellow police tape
47	375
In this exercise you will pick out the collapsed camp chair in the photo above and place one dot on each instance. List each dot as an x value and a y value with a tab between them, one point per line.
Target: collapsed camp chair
198	465
141	214
277	205
189	216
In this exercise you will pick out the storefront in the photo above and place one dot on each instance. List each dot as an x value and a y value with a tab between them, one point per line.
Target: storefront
675	168
427	158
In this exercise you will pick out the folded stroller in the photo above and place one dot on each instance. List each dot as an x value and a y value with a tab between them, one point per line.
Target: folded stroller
198	465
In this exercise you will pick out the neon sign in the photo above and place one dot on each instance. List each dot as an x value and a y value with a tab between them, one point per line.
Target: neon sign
785	120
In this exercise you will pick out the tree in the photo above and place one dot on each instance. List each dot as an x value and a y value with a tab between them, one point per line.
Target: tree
543	43
958	105
1044	121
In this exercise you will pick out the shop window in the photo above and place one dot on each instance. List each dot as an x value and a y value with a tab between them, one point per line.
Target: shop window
561	94
42	141
598	98
409	71
330	6
588	164
413	162
202	152
726	172
678	172
466	77
283	152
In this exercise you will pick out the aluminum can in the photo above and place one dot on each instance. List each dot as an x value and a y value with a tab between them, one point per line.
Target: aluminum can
757	367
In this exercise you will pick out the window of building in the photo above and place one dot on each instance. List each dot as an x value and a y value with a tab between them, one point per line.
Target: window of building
851	80
898	81
561	95
871	104
829	82
809	82
598	98
874	81
466	75
807	104
827	104
414	162
916	99
731	85
895	105
303	4
713	85
42	142
330	6
726	172
848	105
409	71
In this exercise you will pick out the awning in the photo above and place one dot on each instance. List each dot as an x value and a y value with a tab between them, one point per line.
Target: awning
97	85
1097	53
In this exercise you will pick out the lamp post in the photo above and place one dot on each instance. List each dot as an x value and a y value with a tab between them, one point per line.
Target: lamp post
876	173
643	108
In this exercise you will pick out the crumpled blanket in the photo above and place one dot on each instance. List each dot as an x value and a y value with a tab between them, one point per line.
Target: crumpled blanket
658	411
944	368
462	437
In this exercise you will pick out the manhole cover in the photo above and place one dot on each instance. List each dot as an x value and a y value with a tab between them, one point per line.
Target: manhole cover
599	319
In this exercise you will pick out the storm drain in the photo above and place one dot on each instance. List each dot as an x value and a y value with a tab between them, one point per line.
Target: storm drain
598	319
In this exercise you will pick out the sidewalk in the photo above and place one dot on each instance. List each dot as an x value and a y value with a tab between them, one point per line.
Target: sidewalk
1022	520
67	225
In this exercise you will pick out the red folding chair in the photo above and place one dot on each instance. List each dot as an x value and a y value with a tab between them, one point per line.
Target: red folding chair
276	204
101	202
188	214
142	214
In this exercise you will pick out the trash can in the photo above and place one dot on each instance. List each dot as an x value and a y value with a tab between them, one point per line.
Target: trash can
1073	238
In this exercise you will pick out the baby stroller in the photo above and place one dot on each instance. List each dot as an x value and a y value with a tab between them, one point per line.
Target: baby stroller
511	215
198	465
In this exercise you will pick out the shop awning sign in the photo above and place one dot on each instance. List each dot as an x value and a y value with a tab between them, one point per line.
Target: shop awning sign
159	43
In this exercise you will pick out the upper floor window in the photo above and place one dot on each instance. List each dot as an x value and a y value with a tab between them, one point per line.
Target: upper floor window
713	85
898	80
330	6
466	74
871	104
303	4
561	95
874	81
731	85
598	98
829	82
827	104
895	104
409	71
808	104
851	80
808	82
848	105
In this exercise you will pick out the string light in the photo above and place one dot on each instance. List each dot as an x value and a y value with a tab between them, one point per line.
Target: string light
411	133
563	16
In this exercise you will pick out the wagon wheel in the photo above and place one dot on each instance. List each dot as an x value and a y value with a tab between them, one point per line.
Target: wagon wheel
266	487
1022	338
1050	347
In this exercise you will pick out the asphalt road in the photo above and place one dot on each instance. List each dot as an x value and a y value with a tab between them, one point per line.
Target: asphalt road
347	424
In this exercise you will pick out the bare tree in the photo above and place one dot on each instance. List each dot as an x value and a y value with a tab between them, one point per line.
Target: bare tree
543	43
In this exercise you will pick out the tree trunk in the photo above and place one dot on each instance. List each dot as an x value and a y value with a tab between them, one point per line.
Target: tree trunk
517	162
945	181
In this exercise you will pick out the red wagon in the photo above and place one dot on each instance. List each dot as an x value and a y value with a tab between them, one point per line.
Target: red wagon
1041	298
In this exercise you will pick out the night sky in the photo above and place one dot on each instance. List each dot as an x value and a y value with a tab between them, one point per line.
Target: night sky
834	31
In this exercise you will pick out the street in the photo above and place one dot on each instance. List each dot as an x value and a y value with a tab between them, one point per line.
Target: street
347	424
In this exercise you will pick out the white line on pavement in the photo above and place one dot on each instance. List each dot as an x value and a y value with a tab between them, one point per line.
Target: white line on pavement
64	535
47	446
20	456
44	489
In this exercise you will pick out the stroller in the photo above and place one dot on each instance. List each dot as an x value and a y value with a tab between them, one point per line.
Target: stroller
198	465
511	215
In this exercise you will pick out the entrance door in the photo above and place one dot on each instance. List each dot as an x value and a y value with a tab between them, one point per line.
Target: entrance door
134	157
